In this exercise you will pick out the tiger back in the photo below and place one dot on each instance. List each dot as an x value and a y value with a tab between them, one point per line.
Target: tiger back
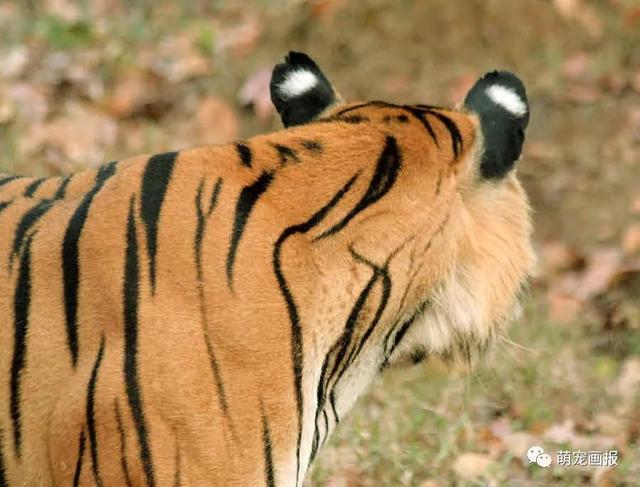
208	316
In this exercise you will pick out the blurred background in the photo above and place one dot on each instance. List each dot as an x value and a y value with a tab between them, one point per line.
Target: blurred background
84	82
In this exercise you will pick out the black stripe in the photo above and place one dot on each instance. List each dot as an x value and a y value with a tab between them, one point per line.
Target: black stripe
155	182
71	258
91	418
312	146
244	151
382	274
336	354
21	305
269	472
386	172
456	138
28	220
3	471
4	205
123	444
33	187
200	229
62	189
401	331
201	220
294	317
8	179
177	478
78	471
420	116
247	199
131	294
286	154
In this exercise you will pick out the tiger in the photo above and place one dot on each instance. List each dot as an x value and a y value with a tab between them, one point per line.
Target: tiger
209	316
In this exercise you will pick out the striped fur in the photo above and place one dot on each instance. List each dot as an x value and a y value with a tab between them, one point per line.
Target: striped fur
208	317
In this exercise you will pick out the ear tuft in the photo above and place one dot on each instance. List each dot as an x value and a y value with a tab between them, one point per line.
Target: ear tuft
500	100
299	89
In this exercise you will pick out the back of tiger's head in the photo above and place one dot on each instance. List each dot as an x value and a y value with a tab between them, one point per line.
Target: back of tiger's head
441	220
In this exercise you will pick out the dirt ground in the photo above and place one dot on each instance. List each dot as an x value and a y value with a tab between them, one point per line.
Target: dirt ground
86	82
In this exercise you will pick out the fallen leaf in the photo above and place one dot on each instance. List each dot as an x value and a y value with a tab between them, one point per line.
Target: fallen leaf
429	483
324	8
566	8
64	9
635	81
557	256
178	59
216	121
583	93
631	239
130	93
518	443
241	38
80	136
576	67
603	477
635	204
32	102
255	92
602	267
472	466
563	308
14	61
628	381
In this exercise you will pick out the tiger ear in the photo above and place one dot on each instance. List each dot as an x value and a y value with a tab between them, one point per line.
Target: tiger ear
299	90
499	99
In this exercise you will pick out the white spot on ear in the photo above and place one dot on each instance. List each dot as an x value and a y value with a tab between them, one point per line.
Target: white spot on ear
507	99
296	83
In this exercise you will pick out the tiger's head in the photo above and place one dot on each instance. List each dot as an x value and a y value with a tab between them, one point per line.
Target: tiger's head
439	222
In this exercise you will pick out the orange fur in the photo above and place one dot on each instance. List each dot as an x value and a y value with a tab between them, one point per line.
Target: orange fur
438	239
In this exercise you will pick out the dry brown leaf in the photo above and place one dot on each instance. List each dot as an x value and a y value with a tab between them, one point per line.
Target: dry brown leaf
518	443
472	466
563	308
79	136
583	93
216	121
130	93
631	239
602	267
324	8
603	477
635	81
557	256
32	102
635	204
628	380
241	38
65	9
177	59
255	92
15	61
577	66
429	483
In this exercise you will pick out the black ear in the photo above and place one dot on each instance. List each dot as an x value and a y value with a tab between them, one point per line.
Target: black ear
299	90
500	100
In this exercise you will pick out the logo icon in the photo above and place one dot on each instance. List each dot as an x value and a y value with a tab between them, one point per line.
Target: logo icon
536	454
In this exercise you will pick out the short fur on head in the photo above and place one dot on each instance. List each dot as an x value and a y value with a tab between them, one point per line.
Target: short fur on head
208	316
